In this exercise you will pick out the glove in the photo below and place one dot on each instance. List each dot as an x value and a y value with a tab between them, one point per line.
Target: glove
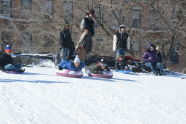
60	68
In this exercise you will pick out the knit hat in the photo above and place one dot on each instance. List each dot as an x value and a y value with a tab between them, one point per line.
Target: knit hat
77	59
122	26
102	62
8	48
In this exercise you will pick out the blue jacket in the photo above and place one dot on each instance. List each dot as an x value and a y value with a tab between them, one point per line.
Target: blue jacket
67	64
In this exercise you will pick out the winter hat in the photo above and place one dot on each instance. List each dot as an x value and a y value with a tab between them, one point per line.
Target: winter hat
102	62
8	48
77	59
122	26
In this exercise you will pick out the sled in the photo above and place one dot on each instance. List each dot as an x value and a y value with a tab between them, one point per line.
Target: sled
69	73
124	71
106	75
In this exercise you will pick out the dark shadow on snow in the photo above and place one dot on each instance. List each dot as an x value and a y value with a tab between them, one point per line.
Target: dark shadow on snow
182	76
29	73
107	79
130	73
95	78
30	81
119	79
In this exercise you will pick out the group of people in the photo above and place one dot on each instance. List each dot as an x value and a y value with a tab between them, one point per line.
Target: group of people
79	52
73	57
121	44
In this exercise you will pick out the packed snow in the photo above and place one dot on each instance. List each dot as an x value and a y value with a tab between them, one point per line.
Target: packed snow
39	96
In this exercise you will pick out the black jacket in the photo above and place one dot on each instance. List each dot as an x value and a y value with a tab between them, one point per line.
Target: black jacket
122	40
5	59
159	57
66	40
89	24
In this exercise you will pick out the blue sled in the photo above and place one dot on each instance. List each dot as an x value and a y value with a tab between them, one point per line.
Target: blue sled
124	71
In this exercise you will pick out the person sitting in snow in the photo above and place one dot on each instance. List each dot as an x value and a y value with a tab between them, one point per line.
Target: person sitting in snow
150	58
75	65
121	62
6	61
98	68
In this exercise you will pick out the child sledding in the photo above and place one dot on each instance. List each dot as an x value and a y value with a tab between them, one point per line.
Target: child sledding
99	69
70	68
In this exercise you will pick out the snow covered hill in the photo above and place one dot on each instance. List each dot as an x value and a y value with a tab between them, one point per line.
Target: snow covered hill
40	97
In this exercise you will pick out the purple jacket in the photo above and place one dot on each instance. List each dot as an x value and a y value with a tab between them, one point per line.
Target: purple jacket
150	56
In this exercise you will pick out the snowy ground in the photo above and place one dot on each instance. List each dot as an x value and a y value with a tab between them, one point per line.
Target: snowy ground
40	97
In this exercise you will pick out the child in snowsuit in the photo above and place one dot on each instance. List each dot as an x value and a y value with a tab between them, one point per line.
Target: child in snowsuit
76	65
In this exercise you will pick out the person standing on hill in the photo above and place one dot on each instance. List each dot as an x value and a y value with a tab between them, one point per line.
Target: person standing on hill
67	45
121	43
84	46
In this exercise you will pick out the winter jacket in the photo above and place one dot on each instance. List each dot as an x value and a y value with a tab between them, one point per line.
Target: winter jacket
95	68
5	59
159	57
150	56
121	40
88	23
85	42
69	65
66	40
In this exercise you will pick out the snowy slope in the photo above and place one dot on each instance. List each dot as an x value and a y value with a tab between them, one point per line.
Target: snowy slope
41	97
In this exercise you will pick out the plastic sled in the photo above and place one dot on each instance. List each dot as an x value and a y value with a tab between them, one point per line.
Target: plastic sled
124	71
69	73
106	75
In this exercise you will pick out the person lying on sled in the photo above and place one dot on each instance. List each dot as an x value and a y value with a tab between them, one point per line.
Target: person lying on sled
75	65
98	68
121	62
6	61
